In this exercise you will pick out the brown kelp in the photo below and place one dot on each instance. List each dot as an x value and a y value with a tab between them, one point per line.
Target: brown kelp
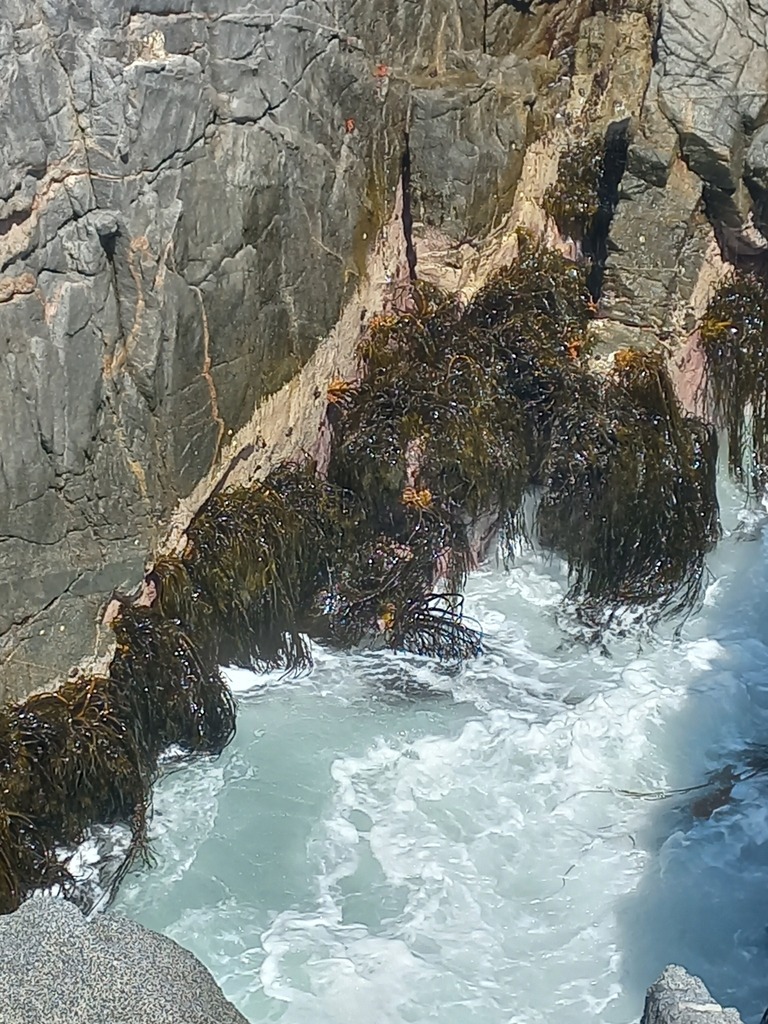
457	412
255	560
425	432
734	341
383	594
573	199
533	317
88	753
630	496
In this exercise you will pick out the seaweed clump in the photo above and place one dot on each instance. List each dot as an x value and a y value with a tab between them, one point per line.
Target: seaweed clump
89	752
533	318
734	341
573	200
256	557
630	498
443	435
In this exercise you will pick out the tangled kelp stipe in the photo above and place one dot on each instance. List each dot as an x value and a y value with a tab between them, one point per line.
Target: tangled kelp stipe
383	592
630	498
734	340
88	753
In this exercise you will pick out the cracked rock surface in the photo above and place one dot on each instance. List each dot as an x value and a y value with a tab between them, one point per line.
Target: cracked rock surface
192	191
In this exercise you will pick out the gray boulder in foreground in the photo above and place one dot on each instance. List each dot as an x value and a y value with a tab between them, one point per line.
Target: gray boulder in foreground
58	968
679	998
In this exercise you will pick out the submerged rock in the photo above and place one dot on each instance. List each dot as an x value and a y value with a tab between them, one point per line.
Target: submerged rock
59	968
680	998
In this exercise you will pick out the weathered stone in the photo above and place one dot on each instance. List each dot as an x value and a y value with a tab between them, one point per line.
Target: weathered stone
657	243
58	968
713	85
680	998
757	158
655	144
165	262
452	114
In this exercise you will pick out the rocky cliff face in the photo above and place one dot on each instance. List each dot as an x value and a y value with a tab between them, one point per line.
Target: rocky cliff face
201	200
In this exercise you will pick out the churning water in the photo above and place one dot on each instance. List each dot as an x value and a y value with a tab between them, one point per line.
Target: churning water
387	841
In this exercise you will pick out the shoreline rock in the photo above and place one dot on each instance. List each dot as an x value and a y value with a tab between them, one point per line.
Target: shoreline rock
59	968
678	997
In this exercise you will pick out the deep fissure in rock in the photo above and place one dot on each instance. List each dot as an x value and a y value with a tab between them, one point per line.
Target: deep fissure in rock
405	177
614	166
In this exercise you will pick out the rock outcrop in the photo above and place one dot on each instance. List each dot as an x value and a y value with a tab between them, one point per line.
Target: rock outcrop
678	997
201	201
58	968
189	197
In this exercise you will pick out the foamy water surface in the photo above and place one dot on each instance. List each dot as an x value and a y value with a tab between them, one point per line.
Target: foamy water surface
390	841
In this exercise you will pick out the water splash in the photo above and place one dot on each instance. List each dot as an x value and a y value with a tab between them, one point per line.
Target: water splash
392	840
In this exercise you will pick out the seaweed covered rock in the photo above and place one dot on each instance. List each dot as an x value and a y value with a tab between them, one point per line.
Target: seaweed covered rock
460	411
255	559
630	497
58	968
734	340
573	200
88	754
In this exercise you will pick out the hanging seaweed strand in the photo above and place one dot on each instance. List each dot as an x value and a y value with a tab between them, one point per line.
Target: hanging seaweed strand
734	341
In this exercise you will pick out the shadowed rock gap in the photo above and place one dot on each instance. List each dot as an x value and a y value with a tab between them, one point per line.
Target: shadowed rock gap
405	177
614	166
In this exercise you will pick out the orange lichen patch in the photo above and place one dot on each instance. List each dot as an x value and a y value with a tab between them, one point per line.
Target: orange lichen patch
625	359
386	619
338	389
575	348
412	498
711	326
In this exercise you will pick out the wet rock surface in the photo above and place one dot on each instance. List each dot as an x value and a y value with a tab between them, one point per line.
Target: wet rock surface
678	997
58	968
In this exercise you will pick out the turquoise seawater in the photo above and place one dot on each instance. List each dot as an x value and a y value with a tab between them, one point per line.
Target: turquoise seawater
389	841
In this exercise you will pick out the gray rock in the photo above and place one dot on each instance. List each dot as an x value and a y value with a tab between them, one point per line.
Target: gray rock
166	260
451	114
713	83
58	968
184	213
655	144
656	247
680	998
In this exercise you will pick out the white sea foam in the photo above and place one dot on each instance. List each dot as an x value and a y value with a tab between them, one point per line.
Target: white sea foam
391	841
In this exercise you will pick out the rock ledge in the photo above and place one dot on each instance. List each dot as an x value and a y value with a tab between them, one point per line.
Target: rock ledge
680	998
58	968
